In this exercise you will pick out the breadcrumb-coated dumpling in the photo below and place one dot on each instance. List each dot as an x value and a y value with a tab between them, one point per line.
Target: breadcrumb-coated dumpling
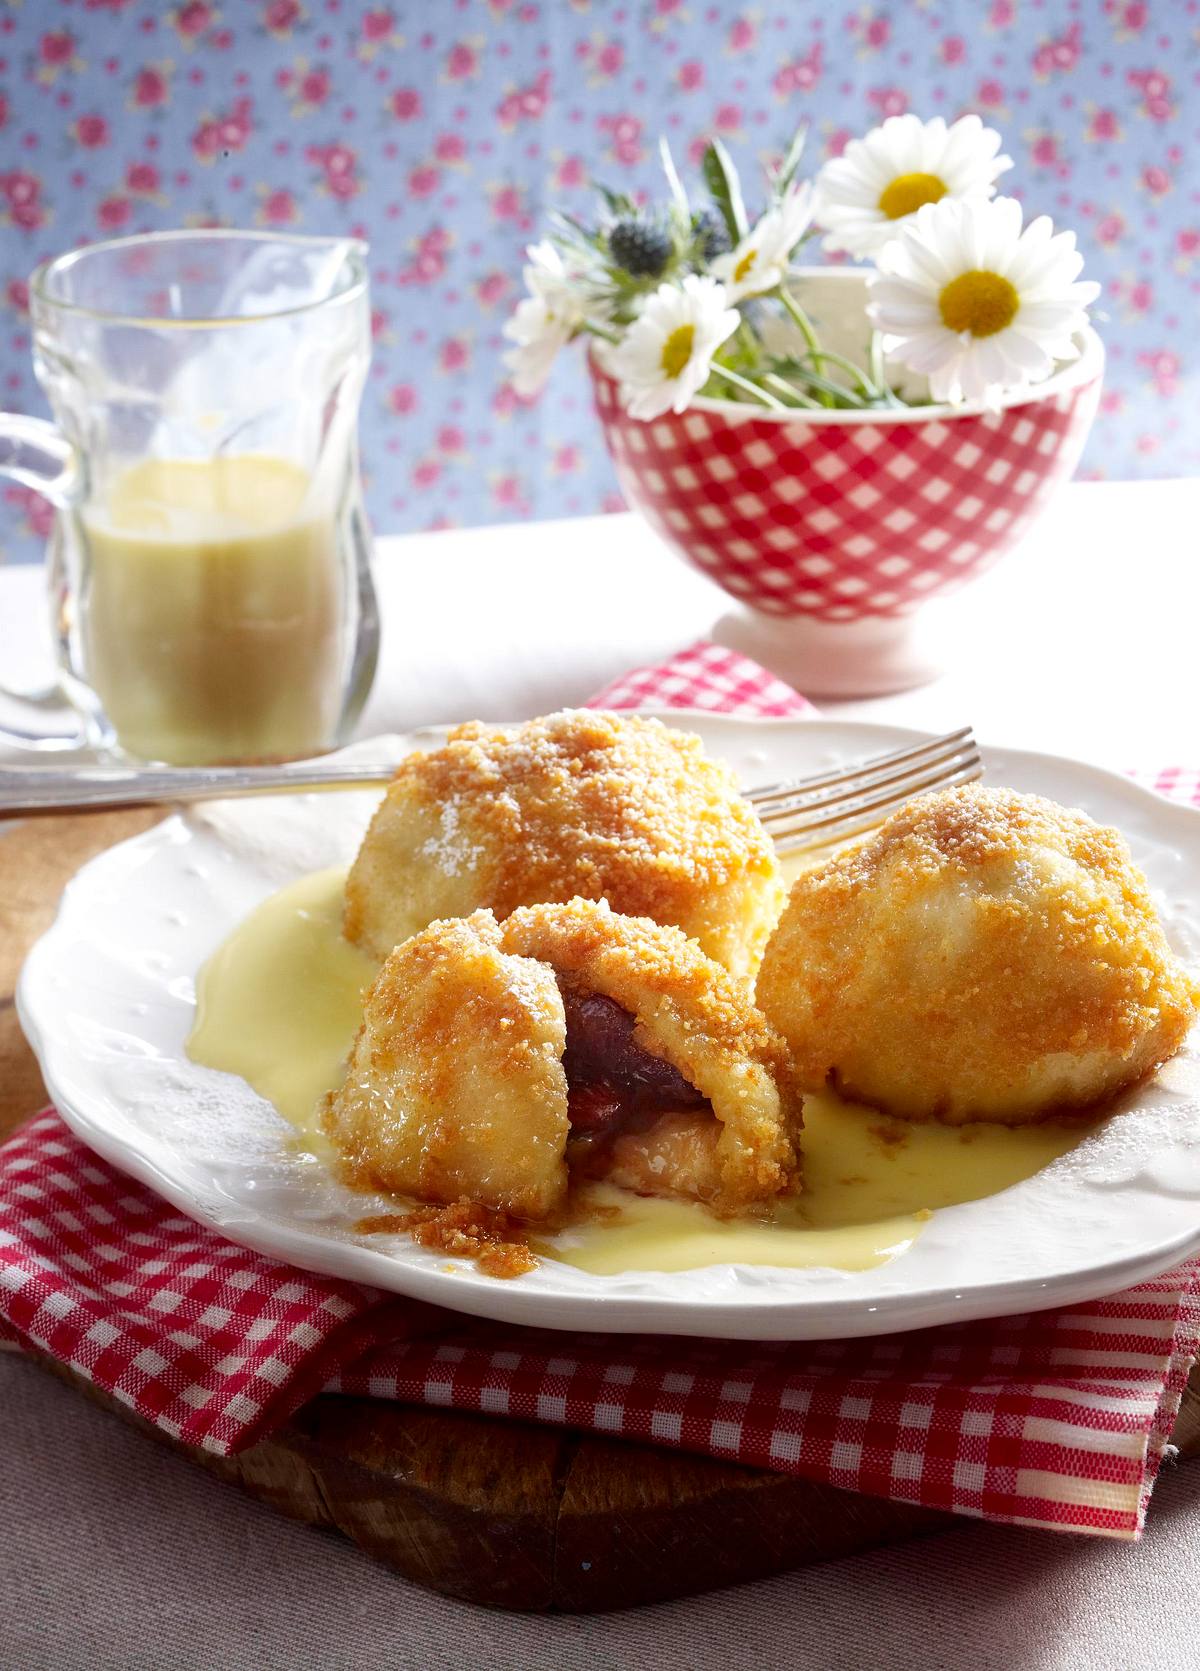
455	1087
578	804
986	955
493	1059
690	1011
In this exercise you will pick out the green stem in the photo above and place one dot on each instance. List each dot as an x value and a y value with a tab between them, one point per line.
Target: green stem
878	374
795	396
747	387
804	324
601	331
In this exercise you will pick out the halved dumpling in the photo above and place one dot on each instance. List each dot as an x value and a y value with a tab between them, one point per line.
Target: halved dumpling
495	1059
577	804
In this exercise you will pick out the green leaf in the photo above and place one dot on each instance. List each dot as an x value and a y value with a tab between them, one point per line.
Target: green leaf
790	163
616	202
721	178
673	180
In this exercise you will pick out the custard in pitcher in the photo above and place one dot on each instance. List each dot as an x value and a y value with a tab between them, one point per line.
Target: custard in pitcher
214	615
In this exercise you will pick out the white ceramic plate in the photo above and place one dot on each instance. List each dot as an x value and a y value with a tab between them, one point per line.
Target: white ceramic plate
107	1000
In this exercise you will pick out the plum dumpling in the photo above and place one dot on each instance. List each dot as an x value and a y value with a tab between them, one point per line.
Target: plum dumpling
578	804
986	955
496	1059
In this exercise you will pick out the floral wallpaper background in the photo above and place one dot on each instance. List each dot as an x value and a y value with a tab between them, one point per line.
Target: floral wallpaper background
443	130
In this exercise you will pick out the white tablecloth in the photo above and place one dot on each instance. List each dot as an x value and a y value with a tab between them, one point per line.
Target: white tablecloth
114	1554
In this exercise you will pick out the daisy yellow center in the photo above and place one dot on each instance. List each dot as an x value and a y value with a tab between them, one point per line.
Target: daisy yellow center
979	302
677	350
745	265
907	192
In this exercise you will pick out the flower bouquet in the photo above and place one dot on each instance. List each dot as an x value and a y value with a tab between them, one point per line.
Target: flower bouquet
833	444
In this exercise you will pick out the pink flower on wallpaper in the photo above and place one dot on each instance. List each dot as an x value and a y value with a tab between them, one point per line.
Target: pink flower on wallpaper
492	289
56	53
428	258
426	472
507	203
1134	296
402	399
377	30
1155	89
1103	125
464	60
191	20
338	165
1187	245
887	101
1164	368
799	75
570	172
1059	54
280	17
1002	14
114	212
151	86
381	326
1109	229
36	513
451	150
506	401
742	34
16	295
1129	17
989	98
660	14
952	49
566	460
405	104
1156	180
423	180
689	77
309	86
1043	148
604	58
90	131
3	110
524	104
510	493
144	180
625	143
836	141
277	207
454	354
451	440
219	135
21	200
871	30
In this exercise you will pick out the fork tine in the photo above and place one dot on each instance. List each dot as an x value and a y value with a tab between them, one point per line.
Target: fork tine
848	818
765	792
867	782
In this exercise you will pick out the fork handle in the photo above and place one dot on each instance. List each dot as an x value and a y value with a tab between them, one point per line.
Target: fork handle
83	788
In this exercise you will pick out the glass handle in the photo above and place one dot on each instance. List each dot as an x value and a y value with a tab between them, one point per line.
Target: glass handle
35	454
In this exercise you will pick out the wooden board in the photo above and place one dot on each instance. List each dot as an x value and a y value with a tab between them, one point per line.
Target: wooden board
495	1512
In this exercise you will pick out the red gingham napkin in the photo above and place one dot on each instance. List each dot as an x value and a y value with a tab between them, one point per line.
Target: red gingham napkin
1058	1419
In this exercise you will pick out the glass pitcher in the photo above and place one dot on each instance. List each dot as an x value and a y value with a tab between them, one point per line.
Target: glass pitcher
209	568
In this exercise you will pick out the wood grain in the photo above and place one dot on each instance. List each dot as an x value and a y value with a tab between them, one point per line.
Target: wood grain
494	1512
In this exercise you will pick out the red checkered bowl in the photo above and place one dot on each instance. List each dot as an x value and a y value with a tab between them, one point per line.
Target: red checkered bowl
833	527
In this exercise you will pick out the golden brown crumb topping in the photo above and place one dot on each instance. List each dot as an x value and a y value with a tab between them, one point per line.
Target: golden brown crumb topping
986	954
579	803
466	1231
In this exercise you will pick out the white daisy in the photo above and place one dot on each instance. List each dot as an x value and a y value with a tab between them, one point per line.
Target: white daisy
974	303
545	320
760	260
879	182
665	355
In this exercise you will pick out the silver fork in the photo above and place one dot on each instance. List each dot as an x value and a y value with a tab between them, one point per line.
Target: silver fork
827	807
804	812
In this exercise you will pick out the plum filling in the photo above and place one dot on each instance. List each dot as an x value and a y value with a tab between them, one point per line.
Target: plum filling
613	1084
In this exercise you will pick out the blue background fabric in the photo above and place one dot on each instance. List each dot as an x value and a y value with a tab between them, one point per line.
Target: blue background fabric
444	130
